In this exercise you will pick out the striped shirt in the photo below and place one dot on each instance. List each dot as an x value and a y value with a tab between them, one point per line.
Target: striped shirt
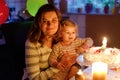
59	49
36	58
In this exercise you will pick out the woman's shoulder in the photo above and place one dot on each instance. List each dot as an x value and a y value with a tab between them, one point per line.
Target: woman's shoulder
29	43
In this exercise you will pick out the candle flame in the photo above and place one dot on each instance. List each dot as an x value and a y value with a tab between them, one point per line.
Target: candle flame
104	42
79	72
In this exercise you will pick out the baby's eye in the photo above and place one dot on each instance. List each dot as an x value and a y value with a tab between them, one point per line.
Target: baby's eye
73	32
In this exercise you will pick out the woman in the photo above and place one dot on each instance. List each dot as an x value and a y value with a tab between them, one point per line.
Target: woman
39	43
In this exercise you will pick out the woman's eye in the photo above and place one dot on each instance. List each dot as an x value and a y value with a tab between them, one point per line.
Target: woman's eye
54	21
44	21
67	32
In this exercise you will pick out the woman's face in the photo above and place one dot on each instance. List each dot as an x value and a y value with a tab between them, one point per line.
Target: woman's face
49	24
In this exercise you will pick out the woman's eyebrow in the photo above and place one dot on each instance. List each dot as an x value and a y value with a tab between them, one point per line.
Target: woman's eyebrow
48	19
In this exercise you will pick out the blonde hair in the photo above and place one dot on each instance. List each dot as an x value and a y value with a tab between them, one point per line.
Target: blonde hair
66	23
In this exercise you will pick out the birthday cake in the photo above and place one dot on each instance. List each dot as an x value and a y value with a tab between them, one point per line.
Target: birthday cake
111	56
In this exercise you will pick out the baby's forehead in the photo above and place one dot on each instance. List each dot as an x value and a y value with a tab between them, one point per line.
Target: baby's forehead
69	28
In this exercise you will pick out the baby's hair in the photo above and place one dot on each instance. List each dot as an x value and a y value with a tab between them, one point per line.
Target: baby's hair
66	23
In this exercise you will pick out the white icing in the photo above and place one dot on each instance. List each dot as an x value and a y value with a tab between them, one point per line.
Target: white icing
111	56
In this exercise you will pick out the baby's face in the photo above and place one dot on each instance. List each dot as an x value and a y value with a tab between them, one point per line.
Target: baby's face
69	34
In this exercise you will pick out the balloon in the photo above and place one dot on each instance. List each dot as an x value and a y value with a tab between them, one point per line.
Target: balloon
4	11
33	6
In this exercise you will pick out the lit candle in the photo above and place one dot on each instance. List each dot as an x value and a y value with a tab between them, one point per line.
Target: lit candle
79	76
104	42
99	71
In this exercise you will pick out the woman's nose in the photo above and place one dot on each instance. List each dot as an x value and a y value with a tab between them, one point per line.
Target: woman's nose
49	23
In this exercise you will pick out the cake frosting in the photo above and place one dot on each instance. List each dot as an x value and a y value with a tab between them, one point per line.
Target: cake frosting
111	56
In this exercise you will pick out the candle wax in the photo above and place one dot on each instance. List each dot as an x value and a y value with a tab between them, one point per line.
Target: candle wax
99	71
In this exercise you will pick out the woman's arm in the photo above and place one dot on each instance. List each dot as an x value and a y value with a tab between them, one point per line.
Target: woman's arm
33	63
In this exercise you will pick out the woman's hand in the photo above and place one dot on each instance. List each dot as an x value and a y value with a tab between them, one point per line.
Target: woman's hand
71	59
68	60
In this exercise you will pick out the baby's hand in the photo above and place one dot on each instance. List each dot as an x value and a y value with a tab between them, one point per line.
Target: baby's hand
61	66
80	50
68	60
89	42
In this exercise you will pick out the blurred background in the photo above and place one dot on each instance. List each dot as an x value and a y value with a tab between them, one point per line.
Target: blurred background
18	7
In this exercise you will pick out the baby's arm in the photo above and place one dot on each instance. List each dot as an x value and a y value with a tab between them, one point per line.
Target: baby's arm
86	43
55	58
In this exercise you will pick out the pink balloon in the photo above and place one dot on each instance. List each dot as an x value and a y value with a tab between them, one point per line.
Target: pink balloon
4	11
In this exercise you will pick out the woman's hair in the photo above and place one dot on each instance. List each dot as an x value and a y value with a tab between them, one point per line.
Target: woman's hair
35	34
66	23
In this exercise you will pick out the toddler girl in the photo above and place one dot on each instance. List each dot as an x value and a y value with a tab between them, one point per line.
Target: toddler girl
69	44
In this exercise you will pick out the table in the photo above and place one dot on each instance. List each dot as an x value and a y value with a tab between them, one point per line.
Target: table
112	75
